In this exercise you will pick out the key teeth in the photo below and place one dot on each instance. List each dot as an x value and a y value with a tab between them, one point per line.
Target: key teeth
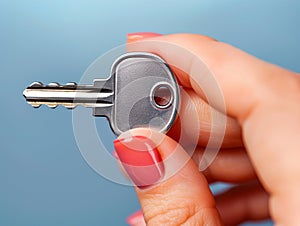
55	94
53	84
71	84
36	105
53	106
70	107
36	84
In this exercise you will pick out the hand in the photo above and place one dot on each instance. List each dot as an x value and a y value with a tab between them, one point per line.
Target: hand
260	150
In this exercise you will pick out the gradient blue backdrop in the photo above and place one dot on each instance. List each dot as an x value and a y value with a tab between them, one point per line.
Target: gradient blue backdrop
44	179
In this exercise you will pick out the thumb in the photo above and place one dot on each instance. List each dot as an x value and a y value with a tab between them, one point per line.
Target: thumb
169	186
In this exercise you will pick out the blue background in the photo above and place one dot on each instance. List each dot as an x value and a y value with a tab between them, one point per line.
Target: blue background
44	179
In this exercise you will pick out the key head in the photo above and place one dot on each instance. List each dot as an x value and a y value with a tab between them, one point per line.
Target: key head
145	93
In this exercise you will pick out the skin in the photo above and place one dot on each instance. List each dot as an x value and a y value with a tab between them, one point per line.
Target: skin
260	151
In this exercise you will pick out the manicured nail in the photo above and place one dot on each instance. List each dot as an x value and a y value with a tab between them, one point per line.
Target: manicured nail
132	37
141	160
136	219
115	155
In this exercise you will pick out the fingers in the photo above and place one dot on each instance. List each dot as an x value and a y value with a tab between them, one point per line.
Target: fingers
195	124
198	57
136	219
248	202
230	165
151	160
263	97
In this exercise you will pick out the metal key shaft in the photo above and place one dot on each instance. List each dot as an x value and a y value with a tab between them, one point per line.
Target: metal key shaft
141	91
69	95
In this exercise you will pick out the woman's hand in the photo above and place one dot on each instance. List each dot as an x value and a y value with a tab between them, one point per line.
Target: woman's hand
260	150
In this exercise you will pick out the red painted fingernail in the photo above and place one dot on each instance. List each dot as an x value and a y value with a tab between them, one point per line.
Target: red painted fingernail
141	160
132	37
115	155
136	219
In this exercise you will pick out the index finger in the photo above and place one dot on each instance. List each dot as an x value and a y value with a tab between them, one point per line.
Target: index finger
263	97
237	73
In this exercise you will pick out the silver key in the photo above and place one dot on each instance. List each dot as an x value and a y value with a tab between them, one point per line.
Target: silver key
140	92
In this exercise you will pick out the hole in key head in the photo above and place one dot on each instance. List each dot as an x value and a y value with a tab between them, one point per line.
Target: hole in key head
162	95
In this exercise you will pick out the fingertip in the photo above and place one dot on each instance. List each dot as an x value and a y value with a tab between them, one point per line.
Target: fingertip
141	160
179	174
136	219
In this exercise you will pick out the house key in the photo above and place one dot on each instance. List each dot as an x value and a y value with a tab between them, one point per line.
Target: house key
141	91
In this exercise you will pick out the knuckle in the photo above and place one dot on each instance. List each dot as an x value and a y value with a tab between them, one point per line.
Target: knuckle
282	84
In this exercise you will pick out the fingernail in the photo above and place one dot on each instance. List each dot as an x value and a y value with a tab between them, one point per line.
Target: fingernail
141	160
133	37
115	155
136	219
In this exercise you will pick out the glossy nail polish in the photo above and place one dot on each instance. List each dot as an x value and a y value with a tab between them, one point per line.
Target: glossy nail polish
136	219
141	160
132	37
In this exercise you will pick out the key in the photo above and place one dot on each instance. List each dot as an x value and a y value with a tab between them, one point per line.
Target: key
141	91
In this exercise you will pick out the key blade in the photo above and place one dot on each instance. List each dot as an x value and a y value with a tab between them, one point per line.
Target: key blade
70	95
